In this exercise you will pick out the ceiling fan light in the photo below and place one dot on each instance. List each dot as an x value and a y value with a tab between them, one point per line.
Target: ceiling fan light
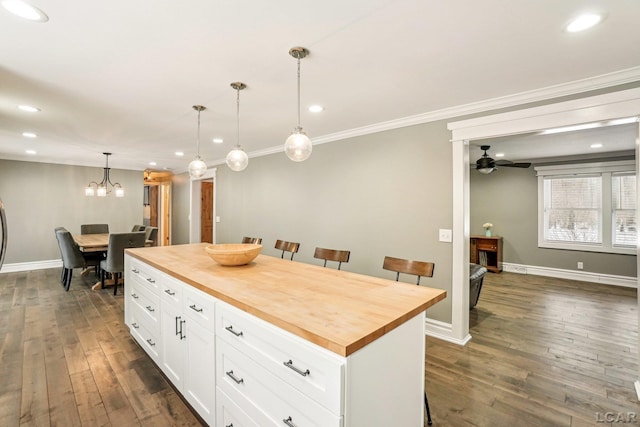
197	168
485	171
298	146
237	159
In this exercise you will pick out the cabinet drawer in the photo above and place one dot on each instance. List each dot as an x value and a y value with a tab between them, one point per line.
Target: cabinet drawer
198	306
145	274
171	291
229	414
313	370
484	245
266	398
145	304
147	339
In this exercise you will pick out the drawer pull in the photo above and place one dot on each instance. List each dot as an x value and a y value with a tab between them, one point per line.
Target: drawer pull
169	292
134	296
151	343
230	425
230	329
289	422
135	325
150	308
150	280
197	310
289	365
234	378
135	270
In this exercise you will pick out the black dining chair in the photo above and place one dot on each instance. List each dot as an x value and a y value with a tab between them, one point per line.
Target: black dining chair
114	263
416	268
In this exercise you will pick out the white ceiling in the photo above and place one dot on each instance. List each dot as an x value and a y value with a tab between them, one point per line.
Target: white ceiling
122	76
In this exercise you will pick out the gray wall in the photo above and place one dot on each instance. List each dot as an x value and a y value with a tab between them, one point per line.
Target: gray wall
180	209
508	198
39	197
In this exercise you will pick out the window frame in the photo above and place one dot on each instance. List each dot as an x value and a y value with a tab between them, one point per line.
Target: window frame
603	169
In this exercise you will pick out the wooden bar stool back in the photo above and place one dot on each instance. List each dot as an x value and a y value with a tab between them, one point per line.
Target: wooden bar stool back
285	246
254	240
338	256
417	268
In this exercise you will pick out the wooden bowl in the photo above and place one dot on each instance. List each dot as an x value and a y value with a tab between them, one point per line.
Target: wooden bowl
233	253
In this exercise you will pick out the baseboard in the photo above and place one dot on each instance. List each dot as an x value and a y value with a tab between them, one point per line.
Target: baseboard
28	266
443	331
585	276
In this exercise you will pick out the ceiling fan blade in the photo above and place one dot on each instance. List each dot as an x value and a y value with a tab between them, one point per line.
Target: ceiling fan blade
510	164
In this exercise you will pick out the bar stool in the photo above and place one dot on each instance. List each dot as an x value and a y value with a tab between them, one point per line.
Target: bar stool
285	246
254	240
417	268
338	256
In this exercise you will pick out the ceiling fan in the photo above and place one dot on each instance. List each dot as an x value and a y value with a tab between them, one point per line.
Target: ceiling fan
486	164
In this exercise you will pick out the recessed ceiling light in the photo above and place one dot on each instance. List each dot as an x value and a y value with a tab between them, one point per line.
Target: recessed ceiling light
583	22
218	140
29	135
25	10
28	108
179	153
31	152
596	145
316	108
499	154
152	163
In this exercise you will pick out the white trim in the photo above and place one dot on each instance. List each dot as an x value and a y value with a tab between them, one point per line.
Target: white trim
565	89
560	273
33	265
442	330
591	109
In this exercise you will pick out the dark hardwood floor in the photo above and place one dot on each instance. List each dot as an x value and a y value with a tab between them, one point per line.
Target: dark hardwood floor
544	352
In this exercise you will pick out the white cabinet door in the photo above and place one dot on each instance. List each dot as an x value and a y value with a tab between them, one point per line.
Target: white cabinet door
199	379
174	346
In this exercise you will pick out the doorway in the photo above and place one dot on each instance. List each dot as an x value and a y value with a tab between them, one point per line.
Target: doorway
206	211
196	208
157	204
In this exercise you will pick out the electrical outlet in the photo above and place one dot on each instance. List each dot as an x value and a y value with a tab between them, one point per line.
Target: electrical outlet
445	235
580	265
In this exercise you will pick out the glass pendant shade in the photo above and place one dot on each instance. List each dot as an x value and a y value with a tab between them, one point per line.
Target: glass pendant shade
298	146
197	168
237	159
102	191
89	191
119	192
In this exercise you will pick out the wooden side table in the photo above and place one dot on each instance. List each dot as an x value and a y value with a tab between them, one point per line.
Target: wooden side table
487	251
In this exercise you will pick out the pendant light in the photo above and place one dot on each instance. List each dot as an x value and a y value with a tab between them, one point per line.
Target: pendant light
237	159
198	167
298	146
100	189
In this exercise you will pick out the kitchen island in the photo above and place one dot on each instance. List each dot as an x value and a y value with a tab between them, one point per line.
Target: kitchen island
278	342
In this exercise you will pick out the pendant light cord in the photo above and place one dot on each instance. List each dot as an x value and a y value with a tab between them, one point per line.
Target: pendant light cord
238	118
299	93
198	156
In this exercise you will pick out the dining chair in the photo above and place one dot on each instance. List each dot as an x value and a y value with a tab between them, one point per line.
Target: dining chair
94	228
151	236
285	246
336	255
254	240
138	227
60	247
417	268
71	256
114	263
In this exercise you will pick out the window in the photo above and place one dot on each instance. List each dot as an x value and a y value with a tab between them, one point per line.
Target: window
588	207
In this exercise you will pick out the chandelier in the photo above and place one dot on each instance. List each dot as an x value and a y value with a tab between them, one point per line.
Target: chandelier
100	188
298	146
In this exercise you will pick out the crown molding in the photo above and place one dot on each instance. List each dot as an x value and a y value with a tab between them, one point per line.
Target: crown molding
616	78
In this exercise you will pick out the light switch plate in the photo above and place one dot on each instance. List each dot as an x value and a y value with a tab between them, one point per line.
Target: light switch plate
445	235
217	219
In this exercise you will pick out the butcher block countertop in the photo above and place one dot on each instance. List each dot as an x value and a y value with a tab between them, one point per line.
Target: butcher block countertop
337	310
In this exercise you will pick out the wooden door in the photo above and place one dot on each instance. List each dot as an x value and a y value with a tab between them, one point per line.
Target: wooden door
206	212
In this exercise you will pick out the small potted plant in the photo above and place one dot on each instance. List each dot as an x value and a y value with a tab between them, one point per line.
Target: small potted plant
487	228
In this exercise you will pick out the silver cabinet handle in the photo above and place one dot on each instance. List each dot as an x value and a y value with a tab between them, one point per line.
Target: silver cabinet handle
150	308
169	292
234	378
289	422
135	296
194	308
230	329
230	425
289	365
135	325
150	280
135	270
151	343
